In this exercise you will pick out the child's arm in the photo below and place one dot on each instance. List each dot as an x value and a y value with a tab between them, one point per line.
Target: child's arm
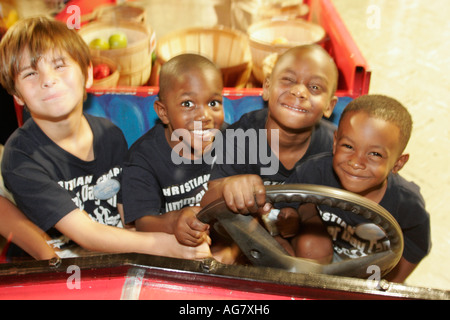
288	222
243	193
182	223
401	271
94	236
23	232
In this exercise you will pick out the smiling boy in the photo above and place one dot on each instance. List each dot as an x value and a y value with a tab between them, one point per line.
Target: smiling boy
63	166
368	153
299	92
167	169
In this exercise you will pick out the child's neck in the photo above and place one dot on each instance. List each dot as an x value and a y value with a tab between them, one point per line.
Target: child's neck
376	194
292	146
73	134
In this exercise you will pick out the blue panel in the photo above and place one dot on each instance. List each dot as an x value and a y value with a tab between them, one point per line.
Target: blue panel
135	114
338	108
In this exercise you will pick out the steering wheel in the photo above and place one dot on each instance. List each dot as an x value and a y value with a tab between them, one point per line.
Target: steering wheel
263	250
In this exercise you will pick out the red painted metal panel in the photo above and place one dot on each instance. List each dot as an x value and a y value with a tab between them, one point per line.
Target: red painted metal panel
91	289
354	70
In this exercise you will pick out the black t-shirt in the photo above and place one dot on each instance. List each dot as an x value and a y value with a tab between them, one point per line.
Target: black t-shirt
47	182
154	183
354	236
255	155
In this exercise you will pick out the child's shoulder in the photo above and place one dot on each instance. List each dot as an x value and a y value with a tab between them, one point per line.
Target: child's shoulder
398	184
100	122
25	139
152	137
327	125
152	146
324	131
320	159
105	129
404	199
315	169
255	119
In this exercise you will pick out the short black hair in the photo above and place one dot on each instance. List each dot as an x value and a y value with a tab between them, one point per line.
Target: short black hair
385	108
181	64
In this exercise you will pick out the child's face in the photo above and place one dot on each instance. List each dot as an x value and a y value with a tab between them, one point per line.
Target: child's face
300	90
194	104
54	88
365	150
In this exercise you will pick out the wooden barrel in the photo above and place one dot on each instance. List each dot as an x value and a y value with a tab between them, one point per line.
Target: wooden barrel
125	12
227	48
283	10
276	36
134	61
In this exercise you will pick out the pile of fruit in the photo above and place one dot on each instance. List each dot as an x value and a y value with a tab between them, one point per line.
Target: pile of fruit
115	41
101	71
280	40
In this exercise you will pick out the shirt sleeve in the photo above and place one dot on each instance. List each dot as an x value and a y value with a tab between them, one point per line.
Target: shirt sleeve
414	221
40	198
141	192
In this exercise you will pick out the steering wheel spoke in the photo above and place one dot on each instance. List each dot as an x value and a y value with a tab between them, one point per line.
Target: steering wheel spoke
263	250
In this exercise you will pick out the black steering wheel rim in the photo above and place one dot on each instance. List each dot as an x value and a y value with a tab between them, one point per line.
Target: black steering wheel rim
262	249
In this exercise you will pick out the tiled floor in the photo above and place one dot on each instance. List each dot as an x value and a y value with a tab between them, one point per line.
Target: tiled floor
407	45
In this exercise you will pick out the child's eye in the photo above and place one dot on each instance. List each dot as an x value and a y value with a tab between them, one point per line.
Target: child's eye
59	63
187	104
315	88
346	146
287	79
215	103
28	74
376	154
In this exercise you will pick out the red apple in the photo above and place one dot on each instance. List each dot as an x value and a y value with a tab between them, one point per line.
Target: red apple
101	71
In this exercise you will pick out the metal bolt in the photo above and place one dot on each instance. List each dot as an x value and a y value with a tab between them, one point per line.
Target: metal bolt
54	262
384	285
255	254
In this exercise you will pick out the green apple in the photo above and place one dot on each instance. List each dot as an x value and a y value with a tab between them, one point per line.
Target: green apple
118	41
99	44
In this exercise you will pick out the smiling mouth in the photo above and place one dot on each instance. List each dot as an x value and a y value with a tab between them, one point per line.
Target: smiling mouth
206	134
52	97
297	109
354	177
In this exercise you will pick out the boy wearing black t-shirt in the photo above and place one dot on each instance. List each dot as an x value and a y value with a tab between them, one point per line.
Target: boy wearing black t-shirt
299	92
367	155
63	166
167	170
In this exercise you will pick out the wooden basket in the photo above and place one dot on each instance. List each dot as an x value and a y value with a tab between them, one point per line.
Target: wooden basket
123	12
134	61
110	81
271	11
263	36
228	49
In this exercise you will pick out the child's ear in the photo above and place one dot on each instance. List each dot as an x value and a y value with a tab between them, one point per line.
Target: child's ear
19	100
329	110
334	141
161	111
401	161
266	87
90	76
